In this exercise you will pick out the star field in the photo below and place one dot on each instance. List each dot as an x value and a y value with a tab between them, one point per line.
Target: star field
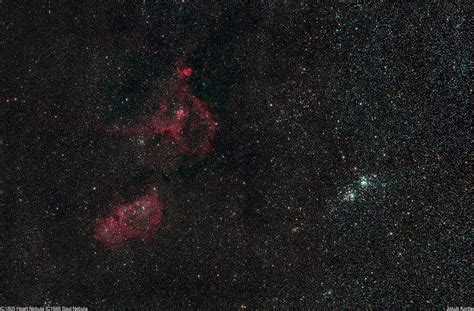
246	155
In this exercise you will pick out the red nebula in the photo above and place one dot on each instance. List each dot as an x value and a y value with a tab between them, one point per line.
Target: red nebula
179	123
186	72
180	118
138	220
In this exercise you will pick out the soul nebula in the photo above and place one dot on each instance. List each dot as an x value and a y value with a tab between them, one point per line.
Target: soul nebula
137	220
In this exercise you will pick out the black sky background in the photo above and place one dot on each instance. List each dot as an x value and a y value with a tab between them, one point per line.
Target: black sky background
311	100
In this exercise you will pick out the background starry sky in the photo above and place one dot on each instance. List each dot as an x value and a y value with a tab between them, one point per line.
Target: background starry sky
340	176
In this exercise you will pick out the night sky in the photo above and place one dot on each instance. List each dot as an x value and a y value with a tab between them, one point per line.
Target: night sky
242	155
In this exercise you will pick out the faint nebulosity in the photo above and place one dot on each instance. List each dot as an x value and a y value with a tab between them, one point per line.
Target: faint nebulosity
236	155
